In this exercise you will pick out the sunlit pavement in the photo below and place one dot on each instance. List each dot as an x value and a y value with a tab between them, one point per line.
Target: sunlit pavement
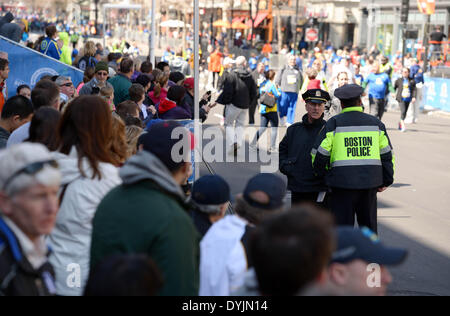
413	213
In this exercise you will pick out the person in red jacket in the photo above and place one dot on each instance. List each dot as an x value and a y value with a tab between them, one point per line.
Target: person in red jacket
170	108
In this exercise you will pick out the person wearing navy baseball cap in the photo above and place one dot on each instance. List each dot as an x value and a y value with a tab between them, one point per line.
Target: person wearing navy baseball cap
359	263
224	250
210	198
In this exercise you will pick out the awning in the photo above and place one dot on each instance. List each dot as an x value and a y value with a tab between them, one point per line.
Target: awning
238	19
239	26
222	23
259	18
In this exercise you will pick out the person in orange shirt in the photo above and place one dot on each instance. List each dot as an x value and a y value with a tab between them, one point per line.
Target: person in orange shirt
215	64
267	48
4	73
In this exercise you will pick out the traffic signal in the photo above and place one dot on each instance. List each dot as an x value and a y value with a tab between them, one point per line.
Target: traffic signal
404	11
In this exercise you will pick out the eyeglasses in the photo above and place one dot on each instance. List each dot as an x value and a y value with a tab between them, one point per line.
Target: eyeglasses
31	169
101	73
69	84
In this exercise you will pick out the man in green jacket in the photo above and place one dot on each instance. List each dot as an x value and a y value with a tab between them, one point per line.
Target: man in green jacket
147	213
122	81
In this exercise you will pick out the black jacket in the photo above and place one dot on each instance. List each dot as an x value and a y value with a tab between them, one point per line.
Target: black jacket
17	276
295	156
188	102
256	75
399	87
239	89
222	78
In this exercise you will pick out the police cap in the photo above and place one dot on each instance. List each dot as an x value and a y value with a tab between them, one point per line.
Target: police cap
316	96
349	92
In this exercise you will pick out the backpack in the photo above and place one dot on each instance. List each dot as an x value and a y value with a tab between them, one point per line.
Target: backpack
85	62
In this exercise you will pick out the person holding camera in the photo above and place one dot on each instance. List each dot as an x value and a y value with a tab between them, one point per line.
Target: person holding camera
269	111
99	80
204	104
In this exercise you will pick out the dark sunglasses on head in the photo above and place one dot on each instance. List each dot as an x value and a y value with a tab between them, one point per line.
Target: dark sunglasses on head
31	169
69	84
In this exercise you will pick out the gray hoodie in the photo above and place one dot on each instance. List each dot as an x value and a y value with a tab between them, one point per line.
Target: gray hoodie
180	65
10	30
146	166
290	79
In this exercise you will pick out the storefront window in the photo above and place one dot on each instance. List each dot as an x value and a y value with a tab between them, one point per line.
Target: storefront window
385	37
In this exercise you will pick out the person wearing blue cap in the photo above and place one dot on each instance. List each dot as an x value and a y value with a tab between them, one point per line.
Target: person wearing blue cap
355	154
210	198
295	148
349	273
224	249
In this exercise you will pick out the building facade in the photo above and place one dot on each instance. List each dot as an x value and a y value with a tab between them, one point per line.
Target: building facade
381	24
338	21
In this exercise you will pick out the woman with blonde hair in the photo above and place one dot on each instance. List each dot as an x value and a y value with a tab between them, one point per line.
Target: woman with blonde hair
137	68
132	133
88	59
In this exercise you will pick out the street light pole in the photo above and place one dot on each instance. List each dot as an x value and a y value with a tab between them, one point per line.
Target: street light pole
296	23
404	44
425	43
197	130
212	21
152	35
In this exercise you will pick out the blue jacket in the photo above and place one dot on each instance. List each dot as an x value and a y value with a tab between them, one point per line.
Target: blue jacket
269	86
50	48
17	276
417	74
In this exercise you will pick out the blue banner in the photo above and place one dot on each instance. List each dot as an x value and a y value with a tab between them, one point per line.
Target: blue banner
436	93
28	66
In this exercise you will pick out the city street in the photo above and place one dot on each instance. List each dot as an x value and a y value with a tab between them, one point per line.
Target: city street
414	213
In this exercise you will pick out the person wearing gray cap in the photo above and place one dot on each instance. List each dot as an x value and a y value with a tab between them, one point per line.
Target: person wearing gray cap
224	249
356	261
355	154
29	183
210	198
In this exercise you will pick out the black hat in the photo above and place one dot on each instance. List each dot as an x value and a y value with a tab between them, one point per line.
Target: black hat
211	190
316	96
176	76
364	244
349	92
158	141
270	184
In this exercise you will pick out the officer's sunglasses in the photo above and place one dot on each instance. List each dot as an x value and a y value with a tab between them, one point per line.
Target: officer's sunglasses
69	84
101	73
31	169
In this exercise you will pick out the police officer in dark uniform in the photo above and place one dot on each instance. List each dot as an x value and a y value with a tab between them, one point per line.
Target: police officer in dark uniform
295	148
354	152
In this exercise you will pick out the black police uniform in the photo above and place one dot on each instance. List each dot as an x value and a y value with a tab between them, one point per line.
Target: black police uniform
355	154
295	158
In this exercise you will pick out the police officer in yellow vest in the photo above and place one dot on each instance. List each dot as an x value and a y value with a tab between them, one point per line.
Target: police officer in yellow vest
354	152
